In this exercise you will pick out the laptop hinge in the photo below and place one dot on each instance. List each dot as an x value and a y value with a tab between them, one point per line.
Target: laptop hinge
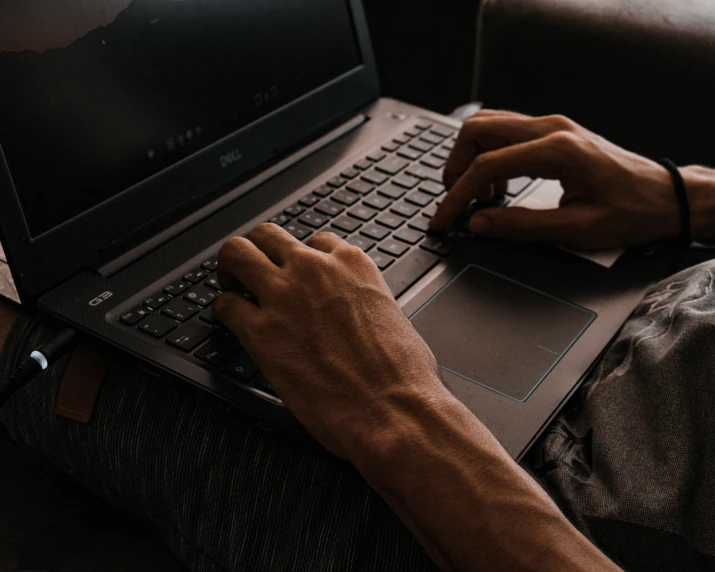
122	261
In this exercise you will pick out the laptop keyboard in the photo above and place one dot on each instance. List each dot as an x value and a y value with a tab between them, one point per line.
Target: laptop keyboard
381	204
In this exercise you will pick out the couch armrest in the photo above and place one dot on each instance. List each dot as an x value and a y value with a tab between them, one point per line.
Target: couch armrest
639	72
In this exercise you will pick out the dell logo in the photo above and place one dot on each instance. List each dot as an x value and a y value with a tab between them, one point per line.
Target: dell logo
101	298
230	158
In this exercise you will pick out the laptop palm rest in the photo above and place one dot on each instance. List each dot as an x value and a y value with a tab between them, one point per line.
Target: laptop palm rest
499	333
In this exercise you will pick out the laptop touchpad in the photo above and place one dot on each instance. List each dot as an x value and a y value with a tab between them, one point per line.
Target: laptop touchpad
499	333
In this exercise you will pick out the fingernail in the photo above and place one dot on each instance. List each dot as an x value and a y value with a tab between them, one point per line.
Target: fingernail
479	225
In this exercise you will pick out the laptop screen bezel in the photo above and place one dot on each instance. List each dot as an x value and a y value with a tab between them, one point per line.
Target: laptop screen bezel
42	262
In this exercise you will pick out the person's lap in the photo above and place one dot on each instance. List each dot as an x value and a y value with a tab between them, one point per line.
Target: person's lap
629	460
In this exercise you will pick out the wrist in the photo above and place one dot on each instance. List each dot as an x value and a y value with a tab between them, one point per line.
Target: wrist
700	185
410	430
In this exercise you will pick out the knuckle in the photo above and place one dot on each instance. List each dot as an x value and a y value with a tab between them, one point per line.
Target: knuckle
261	230
560	122
351	254
564	141
229	248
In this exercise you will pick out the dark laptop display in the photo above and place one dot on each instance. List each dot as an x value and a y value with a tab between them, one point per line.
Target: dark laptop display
107	94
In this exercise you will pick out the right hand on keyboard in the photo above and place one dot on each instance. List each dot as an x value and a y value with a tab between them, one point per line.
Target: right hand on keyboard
328	335
612	198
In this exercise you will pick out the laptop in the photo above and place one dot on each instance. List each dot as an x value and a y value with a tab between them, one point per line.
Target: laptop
137	136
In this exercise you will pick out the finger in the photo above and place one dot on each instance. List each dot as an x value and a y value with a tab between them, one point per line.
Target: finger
563	226
500	188
549	157
242	264
482	134
274	241
498	113
324	241
235	311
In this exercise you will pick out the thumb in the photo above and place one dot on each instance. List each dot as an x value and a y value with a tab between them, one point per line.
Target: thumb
561	226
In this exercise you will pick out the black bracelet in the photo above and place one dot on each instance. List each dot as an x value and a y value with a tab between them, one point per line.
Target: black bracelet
682	195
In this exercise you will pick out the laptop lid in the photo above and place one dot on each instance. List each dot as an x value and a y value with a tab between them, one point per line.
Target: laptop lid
114	113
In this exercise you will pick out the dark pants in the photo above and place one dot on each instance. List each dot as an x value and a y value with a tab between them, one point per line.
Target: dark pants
631	460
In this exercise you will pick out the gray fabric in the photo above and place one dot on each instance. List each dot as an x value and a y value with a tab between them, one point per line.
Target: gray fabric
630	460
224	495
637	444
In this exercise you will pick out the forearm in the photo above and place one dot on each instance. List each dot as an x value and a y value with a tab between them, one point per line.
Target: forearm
464	498
700	183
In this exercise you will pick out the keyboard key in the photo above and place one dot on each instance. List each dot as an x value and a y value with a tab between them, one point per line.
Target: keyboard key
350	173
390	147
449	145
409	270
190	336
362	213
437	245
298	230
345	197
210	265
382	261
401	139
176	288
389	220
337	182
374	231
179	310
309	201
443	131
405	210
377	202
201	295
393	247
241	366
220	349
432	161
377	156
516	186
157	300
409	153
346	224
430	211
207	315
361	187
392	165
361	242
157	326
195	276
375	177
329	208
391	191
431	188
323	191
419	198
442	153
421	146
425	172
212	282
295	210
313	219
431	138
336	232
423	125
134	316
412	132
280	219
408	235
406	181
363	165
420	223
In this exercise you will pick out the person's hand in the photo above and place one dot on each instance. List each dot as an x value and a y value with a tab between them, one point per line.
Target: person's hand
327	333
612	197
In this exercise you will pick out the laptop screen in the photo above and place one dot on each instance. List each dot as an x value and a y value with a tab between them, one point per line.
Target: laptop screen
104	94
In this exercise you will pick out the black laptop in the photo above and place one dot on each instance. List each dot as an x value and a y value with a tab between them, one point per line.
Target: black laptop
136	136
